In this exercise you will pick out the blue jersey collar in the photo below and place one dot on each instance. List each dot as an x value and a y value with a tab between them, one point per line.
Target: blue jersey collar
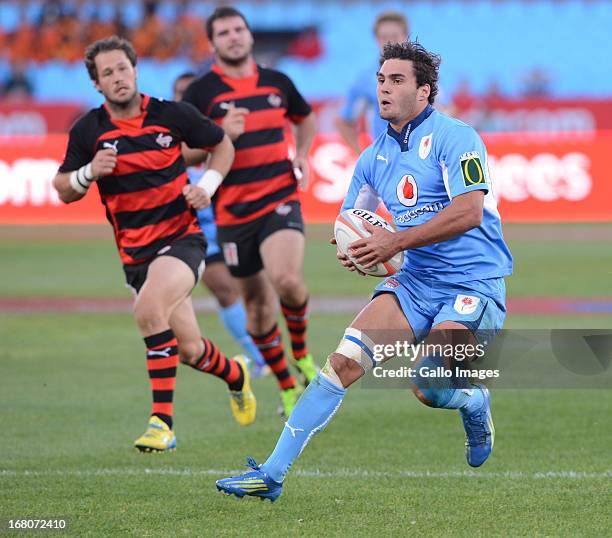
403	137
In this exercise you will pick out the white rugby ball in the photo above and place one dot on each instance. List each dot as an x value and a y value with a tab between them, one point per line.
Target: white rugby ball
349	227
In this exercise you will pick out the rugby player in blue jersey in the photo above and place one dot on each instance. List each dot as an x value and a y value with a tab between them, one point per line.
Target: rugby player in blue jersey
431	173
361	100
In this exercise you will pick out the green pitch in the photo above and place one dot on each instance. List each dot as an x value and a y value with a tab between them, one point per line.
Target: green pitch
74	396
83	262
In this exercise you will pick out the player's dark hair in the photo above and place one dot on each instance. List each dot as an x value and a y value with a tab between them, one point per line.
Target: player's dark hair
223	12
183	76
186	74
425	64
105	45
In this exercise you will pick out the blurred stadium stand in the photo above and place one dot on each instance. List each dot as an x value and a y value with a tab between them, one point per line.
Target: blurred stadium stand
559	48
533	76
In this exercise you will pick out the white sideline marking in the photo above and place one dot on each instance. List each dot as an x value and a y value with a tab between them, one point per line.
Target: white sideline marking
311	473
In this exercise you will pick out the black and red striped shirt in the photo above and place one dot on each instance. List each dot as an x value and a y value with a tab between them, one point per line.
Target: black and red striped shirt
143	196
262	175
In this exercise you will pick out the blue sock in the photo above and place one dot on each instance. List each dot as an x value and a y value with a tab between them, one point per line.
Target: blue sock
447	392
313	411
234	319
466	400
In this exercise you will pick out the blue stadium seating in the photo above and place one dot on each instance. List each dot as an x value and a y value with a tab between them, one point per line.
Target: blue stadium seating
481	41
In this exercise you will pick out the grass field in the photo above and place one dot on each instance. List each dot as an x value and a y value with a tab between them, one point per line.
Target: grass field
83	261
74	395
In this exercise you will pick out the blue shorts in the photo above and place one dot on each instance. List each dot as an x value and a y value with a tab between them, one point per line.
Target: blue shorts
209	228
480	305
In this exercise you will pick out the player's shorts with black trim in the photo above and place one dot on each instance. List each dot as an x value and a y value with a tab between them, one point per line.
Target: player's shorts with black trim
241	243
190	249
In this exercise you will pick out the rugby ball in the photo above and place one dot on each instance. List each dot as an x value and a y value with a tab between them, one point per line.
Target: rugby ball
349	227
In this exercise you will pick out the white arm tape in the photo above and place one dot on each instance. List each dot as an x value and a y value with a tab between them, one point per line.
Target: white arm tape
210	181
81	179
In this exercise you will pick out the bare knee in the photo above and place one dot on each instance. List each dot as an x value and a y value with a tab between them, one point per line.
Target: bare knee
261	313
190	352
347	370
225	293
151	319
290	287
420	396
219	281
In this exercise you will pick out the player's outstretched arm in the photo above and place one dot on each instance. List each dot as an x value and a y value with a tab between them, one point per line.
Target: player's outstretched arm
67	194
221	158
353	110
72	186
463	214
349	133
193	156
304	133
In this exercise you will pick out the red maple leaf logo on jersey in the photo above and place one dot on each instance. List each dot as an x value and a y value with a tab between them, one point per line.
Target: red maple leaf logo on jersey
467	300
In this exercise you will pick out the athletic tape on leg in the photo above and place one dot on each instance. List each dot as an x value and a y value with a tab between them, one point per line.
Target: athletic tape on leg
330	374
357	346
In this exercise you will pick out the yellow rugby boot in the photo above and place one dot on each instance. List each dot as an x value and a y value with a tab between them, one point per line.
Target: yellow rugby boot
289	398
307	367
243	402
158	437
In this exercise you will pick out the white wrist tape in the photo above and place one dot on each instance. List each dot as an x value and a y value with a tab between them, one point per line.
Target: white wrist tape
210	181
81	179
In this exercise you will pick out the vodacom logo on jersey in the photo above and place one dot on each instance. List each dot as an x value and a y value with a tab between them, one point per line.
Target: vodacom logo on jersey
407	190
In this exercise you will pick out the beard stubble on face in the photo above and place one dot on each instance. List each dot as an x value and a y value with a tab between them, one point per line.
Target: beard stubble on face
406	110
234	62
124	103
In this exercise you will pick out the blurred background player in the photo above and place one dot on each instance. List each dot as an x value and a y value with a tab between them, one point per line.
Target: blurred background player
130	147
216	276
450	289
361	103
257	208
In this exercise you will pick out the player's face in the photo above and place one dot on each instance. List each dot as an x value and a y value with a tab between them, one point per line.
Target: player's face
232	40
390	32
180	86
399	97
116	77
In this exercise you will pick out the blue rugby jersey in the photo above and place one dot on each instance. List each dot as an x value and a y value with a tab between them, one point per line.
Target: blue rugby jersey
417	173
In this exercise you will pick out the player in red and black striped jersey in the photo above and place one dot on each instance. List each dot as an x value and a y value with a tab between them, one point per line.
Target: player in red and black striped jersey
131	148
257	210
253	110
